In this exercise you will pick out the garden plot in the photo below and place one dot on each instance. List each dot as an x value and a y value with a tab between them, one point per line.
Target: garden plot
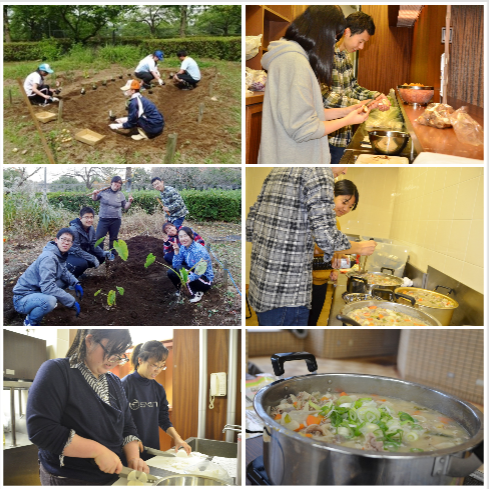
196	141
148	297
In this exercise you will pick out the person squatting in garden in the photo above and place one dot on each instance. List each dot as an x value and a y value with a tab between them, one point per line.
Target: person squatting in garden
112	201
149	360
189	74
143	115
84	254
147	69
170	236
78	415
173	204
42	285
187	255
37	92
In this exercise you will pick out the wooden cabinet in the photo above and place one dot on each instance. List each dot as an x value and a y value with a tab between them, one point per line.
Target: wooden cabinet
271	21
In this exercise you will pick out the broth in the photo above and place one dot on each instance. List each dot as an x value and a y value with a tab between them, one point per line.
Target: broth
381	316
368	422
430	299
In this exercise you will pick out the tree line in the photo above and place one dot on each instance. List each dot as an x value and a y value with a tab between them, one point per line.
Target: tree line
82	22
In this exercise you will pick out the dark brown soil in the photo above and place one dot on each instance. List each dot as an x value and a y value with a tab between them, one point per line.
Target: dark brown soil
180	110
148	299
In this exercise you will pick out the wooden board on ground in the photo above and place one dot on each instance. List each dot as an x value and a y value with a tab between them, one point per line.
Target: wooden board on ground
45	116
89	137
365	159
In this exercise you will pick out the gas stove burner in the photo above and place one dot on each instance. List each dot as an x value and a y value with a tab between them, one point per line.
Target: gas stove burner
255	472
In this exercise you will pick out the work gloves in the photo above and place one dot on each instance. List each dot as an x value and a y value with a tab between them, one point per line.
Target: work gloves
76	307
161	82
54	99
109	255
96	263
78	291
115	126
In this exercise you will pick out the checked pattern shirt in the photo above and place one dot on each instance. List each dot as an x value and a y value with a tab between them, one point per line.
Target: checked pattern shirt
295	208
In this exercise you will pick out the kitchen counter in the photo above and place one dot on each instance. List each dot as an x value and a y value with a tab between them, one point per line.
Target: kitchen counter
338	301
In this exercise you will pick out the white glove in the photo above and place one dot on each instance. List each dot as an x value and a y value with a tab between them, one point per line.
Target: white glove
115	126
96	263
54	99
160	81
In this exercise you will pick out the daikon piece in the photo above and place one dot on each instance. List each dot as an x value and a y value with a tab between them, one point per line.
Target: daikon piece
143	477
132	476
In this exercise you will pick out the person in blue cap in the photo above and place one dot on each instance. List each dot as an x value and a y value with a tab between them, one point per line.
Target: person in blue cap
148	71
35	88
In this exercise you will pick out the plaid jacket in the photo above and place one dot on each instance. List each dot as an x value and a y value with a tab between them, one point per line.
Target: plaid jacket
295	208
173	200
344	92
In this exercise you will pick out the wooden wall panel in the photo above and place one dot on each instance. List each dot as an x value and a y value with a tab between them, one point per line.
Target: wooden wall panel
385	61
428	48
185	381
466	66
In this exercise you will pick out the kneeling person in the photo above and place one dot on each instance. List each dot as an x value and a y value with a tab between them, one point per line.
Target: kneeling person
83	253
35	88
189	74
40	287
143	114
170	236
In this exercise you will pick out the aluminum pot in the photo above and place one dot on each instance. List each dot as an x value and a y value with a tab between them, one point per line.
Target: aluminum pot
291	459
357	283
190	480
409	310
443	314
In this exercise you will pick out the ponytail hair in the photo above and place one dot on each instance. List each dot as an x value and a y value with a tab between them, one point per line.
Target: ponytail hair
119	342
145	351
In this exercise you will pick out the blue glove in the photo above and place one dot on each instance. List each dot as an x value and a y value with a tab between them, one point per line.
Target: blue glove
78	291
110	256
76	306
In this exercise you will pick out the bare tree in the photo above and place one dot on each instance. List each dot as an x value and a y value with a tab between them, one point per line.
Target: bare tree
90	174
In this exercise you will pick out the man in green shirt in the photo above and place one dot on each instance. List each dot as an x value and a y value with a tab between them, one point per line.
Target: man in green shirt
345	90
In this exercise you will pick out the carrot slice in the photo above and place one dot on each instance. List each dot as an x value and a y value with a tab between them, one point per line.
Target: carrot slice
343	394
278	416
372	307
311	419
417	412
445	420
308	435
301	426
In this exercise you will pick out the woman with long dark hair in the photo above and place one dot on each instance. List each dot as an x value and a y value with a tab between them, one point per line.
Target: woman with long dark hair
147	397
295	124
78	414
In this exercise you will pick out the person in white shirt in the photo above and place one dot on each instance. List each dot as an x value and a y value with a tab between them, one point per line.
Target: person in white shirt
189	74
148	71
36	90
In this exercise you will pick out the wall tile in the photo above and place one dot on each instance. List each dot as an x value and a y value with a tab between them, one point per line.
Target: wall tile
475	244
466	197
459	235
473	276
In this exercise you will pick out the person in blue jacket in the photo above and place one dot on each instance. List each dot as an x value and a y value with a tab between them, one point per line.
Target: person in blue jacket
187	255
147	398
78	414
42	285
83	254
143	114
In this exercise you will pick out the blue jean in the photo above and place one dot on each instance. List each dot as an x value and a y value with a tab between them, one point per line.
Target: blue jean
336	154
178	221
36	306
284	316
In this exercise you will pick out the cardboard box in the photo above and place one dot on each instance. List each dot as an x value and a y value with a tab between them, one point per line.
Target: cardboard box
89	137
46	116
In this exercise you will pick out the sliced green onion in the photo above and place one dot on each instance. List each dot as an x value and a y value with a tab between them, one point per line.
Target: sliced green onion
416	450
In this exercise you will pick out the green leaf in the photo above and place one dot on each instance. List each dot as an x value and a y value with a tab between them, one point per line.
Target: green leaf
99	241
200	267
183	276
111	298
150	259
121	248
97	293
120	290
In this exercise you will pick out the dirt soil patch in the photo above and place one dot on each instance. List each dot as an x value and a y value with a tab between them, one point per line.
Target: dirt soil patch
148	298
180	109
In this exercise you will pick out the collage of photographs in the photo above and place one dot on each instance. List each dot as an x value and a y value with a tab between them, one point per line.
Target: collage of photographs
194	182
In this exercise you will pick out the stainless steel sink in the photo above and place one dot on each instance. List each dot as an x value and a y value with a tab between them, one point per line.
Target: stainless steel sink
213	448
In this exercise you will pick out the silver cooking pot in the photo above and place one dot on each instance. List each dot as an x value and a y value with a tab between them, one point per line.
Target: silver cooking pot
357	283
291	459
409	310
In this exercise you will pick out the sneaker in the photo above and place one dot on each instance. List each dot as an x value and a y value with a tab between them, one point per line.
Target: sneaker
177	293
142	133
27	322
197	297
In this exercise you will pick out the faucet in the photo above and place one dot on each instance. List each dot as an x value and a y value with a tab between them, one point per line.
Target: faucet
232	427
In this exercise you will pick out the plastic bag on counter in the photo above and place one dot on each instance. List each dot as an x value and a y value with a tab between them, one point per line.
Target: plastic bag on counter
436	115
209	469
253	44
255	80
390	119
467	130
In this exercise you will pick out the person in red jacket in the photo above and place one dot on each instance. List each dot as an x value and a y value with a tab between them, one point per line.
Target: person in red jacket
170	235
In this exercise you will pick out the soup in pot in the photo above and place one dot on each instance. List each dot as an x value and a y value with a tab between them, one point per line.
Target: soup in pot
381	316
368	422
429	299
372	278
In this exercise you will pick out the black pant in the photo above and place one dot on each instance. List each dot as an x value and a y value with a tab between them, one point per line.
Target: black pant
48	479
146	76
37	99
108	225
77	265
194	286
186	77
318	298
